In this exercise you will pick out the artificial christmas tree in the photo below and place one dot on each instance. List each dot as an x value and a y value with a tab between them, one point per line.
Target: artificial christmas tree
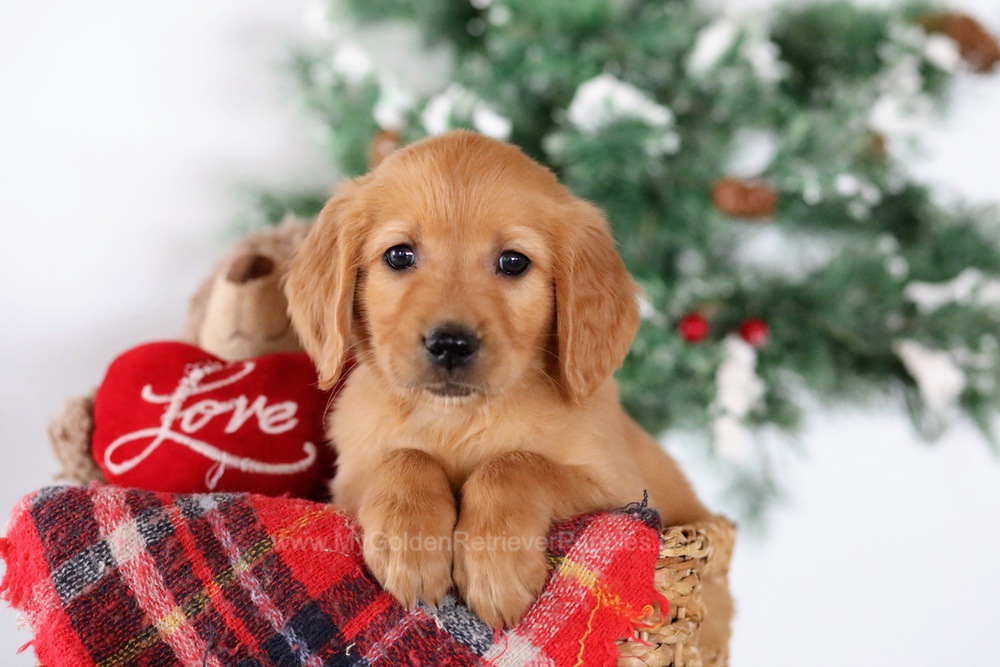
684	124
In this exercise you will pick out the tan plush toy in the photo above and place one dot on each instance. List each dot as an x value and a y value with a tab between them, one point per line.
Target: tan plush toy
237	313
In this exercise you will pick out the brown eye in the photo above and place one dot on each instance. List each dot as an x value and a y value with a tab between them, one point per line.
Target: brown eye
512	263
400	257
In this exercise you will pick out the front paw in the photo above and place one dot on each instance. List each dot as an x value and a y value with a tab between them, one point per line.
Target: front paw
499	575
410	553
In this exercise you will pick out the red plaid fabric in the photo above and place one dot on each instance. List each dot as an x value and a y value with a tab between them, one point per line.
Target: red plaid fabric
113	577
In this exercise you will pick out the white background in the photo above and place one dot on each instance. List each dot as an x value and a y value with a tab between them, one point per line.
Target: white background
125	131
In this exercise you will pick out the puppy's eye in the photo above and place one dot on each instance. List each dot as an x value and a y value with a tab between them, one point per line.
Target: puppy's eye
512	263
400	257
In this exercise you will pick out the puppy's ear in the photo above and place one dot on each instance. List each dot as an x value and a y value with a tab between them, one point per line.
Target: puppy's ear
597	314
321	280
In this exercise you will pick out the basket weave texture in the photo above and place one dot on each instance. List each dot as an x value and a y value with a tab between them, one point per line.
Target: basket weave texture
690	556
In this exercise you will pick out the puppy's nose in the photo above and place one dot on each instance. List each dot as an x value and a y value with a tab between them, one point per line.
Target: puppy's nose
451	346
250	266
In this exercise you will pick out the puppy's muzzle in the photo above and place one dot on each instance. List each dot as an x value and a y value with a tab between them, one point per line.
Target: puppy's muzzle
450	346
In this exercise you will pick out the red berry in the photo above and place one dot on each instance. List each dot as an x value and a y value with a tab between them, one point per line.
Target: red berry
693	327
754	331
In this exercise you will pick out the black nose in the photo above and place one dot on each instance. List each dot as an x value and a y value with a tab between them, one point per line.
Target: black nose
451	346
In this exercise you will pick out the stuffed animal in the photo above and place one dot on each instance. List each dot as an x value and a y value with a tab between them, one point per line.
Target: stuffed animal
232	406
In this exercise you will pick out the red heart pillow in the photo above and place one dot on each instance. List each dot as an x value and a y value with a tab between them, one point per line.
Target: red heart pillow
172	417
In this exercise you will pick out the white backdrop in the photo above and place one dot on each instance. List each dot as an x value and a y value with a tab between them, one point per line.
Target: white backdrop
125	129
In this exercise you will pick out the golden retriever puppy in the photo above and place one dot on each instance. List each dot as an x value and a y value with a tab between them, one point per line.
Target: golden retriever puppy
487	308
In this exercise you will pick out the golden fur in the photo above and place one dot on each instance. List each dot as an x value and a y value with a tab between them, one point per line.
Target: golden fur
541	435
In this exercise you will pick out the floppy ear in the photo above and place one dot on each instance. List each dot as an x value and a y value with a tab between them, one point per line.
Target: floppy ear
597	314
321	280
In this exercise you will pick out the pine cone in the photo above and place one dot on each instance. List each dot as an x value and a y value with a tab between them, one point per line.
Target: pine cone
876	149
978	47
744	198
382	146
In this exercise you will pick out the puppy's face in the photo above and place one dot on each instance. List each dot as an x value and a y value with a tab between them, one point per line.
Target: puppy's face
460	269
455	289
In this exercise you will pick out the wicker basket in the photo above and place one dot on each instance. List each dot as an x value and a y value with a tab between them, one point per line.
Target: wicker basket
690	557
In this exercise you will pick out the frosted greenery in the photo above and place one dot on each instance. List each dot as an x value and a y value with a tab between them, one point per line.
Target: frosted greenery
641	107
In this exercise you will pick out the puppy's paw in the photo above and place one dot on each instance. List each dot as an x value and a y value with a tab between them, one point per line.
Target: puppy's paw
499	577
410	553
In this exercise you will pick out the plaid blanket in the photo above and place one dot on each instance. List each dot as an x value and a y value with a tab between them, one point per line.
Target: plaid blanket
112	577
